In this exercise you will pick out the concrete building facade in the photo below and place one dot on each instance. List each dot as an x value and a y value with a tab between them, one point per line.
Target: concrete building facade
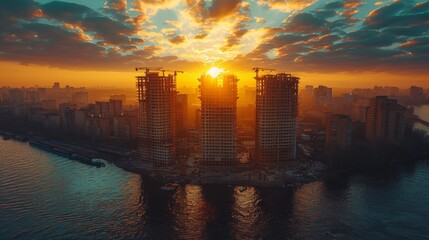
276	118
385	121
157	97
218	120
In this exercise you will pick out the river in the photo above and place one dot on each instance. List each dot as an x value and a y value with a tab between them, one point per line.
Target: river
423	112
44	196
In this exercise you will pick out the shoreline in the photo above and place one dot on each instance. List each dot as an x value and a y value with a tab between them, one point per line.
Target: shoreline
216	178
212	177
224	176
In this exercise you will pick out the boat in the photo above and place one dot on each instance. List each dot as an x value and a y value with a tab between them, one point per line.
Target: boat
170	186
62	152
67	153
7	136
87	160
40	145
97	163
21	138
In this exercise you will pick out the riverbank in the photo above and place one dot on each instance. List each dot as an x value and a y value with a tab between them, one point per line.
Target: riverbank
246	175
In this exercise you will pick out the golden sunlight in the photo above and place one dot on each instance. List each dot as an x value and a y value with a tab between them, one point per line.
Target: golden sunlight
214	72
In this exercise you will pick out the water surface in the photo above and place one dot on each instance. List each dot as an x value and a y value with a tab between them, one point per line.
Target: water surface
43	196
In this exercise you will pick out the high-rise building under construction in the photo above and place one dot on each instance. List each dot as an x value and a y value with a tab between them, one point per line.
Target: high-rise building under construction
276	118
218	120
157	96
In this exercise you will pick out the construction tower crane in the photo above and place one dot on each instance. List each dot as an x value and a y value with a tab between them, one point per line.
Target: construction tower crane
160	69
173	71
142	68
147	69
256	69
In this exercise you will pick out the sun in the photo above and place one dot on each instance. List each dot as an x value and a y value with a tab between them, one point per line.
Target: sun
214	72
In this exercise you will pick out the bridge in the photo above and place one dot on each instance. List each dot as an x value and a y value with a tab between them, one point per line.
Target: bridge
417	119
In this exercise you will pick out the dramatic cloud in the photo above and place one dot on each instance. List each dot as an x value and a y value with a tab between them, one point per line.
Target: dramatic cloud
218	9
177	39
319	41
296	35
286	5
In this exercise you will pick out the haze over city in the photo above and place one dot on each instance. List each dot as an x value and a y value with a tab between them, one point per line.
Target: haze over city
214	119
342	44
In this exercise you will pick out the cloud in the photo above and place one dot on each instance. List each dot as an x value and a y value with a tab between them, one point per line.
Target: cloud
67	12
321	41
218	9
286	5
177	39
25	9
106	29
351	7
240	28
305	23
400	18
118	5
201	36
420	7
259	20
322	37
388	15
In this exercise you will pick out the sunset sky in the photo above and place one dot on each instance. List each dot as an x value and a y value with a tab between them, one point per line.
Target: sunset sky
351	43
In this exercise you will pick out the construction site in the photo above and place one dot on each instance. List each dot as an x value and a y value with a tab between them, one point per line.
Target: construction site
218	120
276	117
212	154
157	100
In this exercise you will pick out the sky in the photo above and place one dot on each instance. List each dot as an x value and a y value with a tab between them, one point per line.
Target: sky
349	43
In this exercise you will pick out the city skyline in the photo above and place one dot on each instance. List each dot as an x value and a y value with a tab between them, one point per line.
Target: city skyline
336	43
214	119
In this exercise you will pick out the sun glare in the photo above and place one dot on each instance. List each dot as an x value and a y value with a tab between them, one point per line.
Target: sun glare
214	72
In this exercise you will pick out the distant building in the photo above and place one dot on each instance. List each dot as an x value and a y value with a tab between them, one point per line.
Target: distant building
51	123
119	97
80	99
56	85
385	91
363	92
98	128
322	96
359	107
80	119
416	93
306	100
102	109
32	96
157	95
182	146
125	127
16	96
115	107
339	131
276	118
218	120
67	117
385	121
47	104
182	115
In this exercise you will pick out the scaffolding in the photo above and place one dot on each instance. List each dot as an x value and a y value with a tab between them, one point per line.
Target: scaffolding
276	118
157	99
218	120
